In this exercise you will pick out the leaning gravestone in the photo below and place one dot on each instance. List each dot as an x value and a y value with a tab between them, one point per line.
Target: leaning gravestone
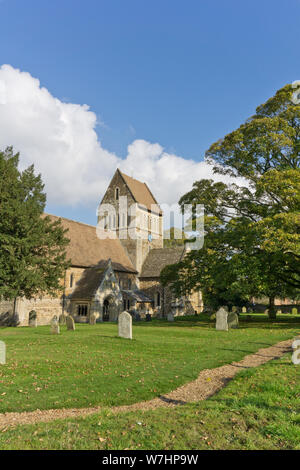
125	325
233	320
32	319
2	352
55	330
221	319
70	323
92	319
170	317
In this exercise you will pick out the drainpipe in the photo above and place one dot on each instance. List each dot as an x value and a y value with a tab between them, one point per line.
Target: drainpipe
64	295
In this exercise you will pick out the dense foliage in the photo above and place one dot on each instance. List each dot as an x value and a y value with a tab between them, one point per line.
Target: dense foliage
252	226
32	247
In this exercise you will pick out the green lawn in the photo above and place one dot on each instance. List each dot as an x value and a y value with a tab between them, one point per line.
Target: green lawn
259	409
92	366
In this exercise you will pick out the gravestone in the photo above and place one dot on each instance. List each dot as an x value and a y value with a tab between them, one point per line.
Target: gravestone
2	352
170	317
92	319
70	323
221	319
233	320
234	309
296	351
125	325
148	317
294	311
55	330
62	319
32	322
137	317
244	310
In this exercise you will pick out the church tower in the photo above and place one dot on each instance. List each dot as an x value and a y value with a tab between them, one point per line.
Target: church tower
130	212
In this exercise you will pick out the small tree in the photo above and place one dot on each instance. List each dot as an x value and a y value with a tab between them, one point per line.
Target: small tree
32	248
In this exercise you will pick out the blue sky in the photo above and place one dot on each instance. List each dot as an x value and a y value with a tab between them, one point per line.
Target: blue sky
178	73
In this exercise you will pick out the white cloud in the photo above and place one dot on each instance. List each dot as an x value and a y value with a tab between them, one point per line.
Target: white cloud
60	139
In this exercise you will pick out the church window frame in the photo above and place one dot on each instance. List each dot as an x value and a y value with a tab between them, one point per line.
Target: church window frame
82	310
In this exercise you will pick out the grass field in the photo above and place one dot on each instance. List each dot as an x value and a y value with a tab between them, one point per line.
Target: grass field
92	366
259	409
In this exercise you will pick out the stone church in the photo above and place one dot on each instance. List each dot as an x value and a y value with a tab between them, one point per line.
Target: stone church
114	266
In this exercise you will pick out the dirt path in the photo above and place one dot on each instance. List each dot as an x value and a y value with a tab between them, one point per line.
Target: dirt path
207	384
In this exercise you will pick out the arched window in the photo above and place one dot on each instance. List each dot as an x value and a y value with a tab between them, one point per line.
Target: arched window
117	194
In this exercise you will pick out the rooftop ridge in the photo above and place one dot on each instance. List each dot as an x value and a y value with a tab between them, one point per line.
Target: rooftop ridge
70	220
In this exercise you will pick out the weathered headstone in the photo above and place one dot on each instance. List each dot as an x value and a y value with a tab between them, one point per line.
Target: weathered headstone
32	322
221	319
148	317
296	353
170	317
55	330
2	352
234	309
244	310
233	320
62	319
92	319
294	311
125	325
70	323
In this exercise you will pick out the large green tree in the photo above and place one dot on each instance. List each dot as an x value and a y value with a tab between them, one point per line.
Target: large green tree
32	248
252	227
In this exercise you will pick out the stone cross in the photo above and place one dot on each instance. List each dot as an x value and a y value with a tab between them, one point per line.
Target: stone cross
221	319
92	319
233	320
2	352
55	330
125	325
70	323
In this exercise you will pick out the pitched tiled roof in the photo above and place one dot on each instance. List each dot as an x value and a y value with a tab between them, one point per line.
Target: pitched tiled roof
141	193
158	258
137	295
86	249
88	283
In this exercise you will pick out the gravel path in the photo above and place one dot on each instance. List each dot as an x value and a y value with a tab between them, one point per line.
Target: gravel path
209	382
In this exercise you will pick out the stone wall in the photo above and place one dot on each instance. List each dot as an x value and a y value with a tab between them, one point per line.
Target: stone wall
151	287
45	307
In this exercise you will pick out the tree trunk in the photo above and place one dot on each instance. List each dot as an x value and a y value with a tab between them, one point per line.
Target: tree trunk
272	310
